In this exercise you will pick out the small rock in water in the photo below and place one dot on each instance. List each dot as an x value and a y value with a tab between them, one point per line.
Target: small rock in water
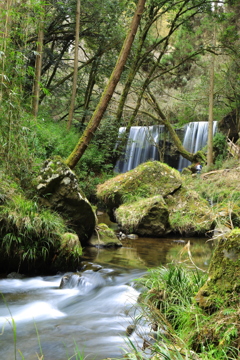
132	236
15	275
180	241
130	329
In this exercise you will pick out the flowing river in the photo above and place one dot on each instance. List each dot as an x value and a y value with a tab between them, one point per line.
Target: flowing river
91	316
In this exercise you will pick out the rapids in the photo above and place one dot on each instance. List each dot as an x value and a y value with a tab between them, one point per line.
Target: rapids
91	316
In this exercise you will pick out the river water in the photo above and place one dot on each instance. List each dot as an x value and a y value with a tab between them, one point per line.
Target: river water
92	316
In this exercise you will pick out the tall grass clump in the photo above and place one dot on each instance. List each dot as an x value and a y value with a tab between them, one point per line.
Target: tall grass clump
182	329
28	232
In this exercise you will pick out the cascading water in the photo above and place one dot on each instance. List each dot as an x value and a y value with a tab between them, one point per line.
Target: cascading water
141	146
143	143
195	138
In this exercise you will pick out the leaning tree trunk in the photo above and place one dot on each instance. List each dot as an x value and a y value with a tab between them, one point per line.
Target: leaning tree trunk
85	139
198	156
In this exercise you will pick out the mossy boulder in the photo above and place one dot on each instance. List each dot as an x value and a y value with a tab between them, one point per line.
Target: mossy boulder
145	217
103	236
222	288
70	244
146	180
189	213
58	188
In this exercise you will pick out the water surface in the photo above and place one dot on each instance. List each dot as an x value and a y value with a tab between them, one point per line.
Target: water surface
93	316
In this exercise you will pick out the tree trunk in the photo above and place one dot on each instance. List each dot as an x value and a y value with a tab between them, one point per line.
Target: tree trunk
109	89
38	69
210	112
74	87
164	121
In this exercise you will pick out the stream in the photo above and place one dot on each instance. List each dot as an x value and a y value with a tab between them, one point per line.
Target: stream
93	315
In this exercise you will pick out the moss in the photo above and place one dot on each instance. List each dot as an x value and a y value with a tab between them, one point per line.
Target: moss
189	213
146	180
104	236
145	217
223	286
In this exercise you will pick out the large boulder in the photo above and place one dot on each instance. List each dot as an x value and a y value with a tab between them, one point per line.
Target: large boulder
152	201
58	188
146	217
146	180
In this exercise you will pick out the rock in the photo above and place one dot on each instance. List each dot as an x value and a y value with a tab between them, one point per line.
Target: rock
58	187
189	213
104	237
222	288
85	265
146	217
130	329
15	275
146	180
70	244
152	201
70	281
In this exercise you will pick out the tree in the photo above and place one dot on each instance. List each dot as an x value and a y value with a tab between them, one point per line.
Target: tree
74	87
38	68
85	139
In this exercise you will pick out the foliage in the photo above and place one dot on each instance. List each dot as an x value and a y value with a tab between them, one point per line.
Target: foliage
182	329
28	233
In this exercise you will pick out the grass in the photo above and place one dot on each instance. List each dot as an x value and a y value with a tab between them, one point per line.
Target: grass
28	232
169	302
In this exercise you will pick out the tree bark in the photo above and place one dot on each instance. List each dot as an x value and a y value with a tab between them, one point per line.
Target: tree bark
74	87
109	89
210	112
38	69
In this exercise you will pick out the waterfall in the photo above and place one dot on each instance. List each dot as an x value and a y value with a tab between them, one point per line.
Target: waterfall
141	146
195	138
143	141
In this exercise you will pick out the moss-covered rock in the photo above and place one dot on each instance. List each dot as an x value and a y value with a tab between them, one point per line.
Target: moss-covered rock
189	213
146	217
70	244
146	180
222	288
58	187
104	237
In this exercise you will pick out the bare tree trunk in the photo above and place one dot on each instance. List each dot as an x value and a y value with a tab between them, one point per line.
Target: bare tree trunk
210	111
109	89
5	23
38	70
74	87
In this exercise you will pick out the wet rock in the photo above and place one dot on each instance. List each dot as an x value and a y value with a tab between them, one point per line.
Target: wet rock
130	329
104	237
70	281
15	275
85	265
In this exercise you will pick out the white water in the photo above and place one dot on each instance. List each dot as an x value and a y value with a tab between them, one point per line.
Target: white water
141	147
195	138
142	141
93	316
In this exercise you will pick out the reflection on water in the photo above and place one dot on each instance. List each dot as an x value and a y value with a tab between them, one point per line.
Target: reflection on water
145	253
93	316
